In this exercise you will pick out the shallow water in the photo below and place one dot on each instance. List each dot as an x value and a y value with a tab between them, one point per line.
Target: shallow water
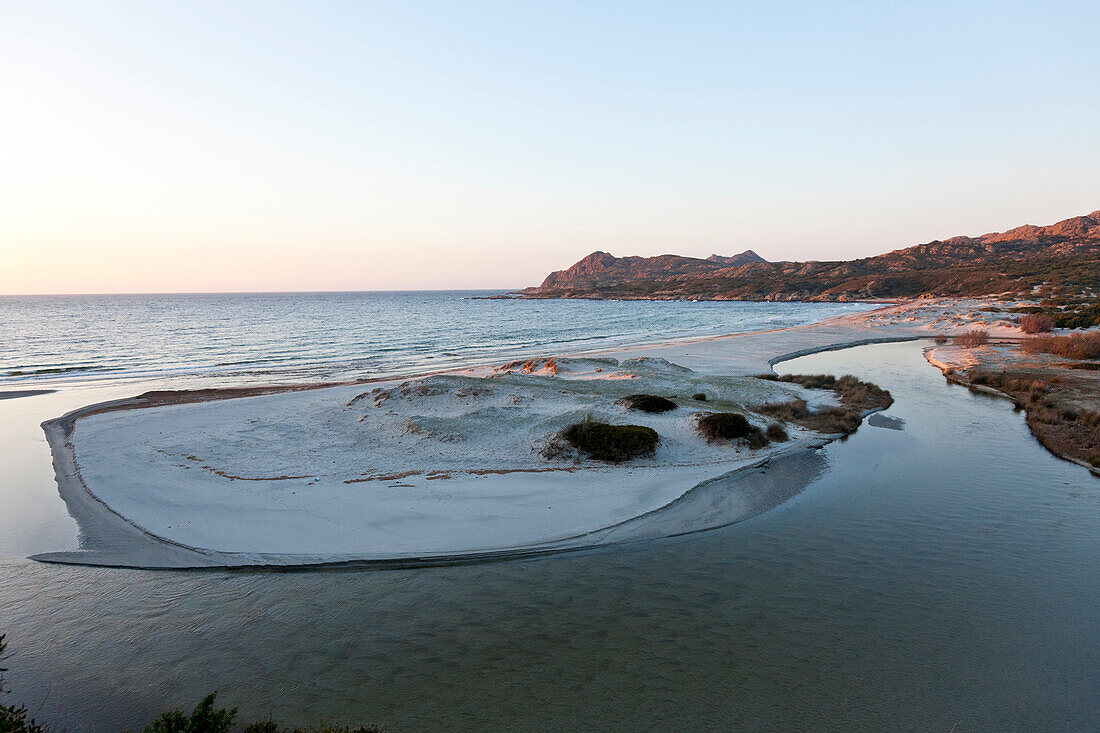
940	576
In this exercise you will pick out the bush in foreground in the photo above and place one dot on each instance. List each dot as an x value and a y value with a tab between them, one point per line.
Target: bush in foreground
15	718
612	443
206	718
646	403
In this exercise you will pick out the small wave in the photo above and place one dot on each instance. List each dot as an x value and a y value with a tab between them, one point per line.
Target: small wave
58	370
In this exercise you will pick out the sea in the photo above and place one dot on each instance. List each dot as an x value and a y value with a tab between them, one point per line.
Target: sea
278	337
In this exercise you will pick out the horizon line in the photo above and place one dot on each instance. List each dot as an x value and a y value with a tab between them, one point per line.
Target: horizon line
261	292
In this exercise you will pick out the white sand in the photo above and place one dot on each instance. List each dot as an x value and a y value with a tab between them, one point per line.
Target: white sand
439	467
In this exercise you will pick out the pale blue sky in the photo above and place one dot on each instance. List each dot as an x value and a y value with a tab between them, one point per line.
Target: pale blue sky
256	146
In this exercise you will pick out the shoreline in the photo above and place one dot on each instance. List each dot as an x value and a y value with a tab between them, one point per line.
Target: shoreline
956	372
121	539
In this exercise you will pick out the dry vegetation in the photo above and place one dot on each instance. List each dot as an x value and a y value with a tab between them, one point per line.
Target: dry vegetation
970	339
1072	346
1036	323
855	396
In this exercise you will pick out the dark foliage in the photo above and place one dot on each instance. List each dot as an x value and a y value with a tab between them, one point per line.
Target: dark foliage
719	426
612	443
699	397
205	718
646	403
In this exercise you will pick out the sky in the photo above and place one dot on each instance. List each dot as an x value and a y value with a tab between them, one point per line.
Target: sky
244	146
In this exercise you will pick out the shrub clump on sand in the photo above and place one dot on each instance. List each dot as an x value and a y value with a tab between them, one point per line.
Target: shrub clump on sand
970	339
699	397
776	433
605	442
855	398
1036	323
941	339
646	403
1073	346
724	426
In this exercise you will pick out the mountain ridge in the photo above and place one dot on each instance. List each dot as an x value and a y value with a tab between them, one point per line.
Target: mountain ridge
1064	255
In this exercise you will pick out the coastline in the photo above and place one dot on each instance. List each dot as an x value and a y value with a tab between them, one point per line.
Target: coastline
115	540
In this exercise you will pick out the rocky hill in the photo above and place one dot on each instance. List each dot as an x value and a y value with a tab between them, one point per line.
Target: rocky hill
1062	257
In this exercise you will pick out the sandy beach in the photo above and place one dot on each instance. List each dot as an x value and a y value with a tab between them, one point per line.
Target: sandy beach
447	467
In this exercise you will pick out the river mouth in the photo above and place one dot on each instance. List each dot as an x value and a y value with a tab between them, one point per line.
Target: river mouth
942	574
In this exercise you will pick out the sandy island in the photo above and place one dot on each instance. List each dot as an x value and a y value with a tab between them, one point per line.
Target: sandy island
449	467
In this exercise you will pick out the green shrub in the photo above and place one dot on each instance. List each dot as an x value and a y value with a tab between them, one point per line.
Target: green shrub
205	718
612	443
725	426
646	403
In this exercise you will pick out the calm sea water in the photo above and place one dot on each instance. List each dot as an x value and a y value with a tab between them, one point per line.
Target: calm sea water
944	576
313	336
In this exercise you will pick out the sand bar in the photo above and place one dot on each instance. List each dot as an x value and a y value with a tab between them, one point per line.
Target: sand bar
446	467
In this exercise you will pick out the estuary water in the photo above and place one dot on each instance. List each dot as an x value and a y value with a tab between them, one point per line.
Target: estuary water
942	572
